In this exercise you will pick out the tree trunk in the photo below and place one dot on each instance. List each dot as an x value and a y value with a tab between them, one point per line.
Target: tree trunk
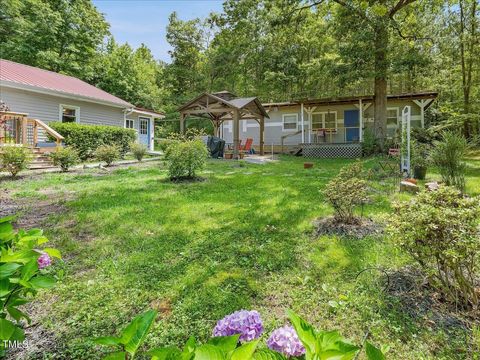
380	86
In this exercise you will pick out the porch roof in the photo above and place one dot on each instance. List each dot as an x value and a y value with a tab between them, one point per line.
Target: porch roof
353	99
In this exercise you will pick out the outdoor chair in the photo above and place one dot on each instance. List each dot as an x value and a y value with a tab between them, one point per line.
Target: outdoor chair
245	149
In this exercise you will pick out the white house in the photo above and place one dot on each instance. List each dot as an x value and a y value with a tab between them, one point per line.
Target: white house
49	96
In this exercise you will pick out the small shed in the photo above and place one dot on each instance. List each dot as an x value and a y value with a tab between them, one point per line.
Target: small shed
221	106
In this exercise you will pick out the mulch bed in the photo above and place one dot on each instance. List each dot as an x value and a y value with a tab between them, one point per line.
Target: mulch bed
361	228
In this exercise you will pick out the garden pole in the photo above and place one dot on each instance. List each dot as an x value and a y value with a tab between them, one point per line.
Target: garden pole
406	117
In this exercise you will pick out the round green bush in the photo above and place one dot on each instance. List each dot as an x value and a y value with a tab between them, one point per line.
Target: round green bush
14	159
185	158
138	150
65	158
107	154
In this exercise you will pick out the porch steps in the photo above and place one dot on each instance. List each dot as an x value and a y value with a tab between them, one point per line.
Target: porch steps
40	159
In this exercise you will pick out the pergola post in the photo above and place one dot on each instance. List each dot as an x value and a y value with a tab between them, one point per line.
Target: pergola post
262	135
236	133
182	124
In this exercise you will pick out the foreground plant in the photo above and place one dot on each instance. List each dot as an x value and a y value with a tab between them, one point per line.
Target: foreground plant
236	337
346	191
138	150
186	158
439	229
14	159
107	153
23	271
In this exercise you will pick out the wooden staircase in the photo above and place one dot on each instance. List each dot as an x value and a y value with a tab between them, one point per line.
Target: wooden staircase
40	159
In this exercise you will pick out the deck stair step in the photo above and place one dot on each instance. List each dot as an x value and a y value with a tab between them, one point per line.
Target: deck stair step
41	159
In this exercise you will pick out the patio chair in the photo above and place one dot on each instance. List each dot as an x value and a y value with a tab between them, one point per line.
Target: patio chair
245	149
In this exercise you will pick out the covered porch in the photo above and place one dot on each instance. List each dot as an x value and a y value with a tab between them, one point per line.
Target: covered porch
225	106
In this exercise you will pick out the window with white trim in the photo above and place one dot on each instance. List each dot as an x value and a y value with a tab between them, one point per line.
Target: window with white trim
324	120
143	126
290	121
130	123
69	114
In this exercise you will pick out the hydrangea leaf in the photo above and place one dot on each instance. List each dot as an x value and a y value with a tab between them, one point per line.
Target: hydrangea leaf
373	353
209	352
225	343
305	331
8	269
166	353
266	354
244	352
134	334
42	282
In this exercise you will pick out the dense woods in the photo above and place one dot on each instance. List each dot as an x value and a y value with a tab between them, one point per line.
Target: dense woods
275	49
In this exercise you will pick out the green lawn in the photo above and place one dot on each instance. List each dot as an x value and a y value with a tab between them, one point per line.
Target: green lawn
242	238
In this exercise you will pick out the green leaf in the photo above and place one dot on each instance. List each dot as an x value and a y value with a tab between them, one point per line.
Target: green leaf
190	345
209	352
53	252
244	352
18	334
8	269
225	343
29	269
373	353
7	329
267	354
22	256
166	353
107	341
118	355
134	334
17	314
42	282
305	331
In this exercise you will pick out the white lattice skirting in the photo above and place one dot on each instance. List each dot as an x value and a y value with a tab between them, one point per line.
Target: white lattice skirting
332	150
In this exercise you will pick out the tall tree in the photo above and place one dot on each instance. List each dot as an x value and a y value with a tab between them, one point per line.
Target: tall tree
58	35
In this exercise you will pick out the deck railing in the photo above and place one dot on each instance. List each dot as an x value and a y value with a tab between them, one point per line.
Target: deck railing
18	128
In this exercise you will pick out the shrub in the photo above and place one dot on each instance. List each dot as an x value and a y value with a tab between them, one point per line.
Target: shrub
85	139
107	153
65	158
185	158
23	271
346	191
447	155
138	150
14	159
301	341
439	230
369	143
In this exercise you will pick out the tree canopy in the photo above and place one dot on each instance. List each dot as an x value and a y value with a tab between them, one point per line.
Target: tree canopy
274	49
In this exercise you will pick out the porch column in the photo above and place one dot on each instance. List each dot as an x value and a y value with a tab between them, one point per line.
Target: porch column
422	104
236	133
182	123
262	135
303	123
24	130
360	133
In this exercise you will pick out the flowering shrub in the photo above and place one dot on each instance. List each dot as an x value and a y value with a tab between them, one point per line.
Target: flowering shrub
346	191
236	337
285	340
65	158
439	230
246	323
23	271
14	159
185	158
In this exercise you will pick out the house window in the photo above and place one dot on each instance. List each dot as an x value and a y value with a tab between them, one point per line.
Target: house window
392	117
130	124
290	121
69	114
324	120
143	126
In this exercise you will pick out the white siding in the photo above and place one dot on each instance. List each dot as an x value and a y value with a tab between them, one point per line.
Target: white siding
46	107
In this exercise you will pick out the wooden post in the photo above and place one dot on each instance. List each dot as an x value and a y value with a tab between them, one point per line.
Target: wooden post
303	123
35	133
236	134
24	131
182	124
262	135
360	134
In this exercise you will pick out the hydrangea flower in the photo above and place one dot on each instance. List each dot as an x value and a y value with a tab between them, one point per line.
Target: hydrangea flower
43	261
285	340
246	323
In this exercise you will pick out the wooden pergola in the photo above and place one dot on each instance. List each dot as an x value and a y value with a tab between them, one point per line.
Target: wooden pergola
224	106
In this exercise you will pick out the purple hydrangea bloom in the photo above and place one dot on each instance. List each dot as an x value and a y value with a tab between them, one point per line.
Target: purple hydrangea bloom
285	340
43	261
246	323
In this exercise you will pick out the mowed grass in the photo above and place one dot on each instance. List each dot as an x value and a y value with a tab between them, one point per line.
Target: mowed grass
240	239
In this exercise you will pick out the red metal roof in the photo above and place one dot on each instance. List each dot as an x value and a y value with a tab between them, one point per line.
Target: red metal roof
40	79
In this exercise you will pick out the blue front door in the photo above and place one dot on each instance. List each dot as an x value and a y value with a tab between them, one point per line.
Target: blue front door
352	125
144	131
